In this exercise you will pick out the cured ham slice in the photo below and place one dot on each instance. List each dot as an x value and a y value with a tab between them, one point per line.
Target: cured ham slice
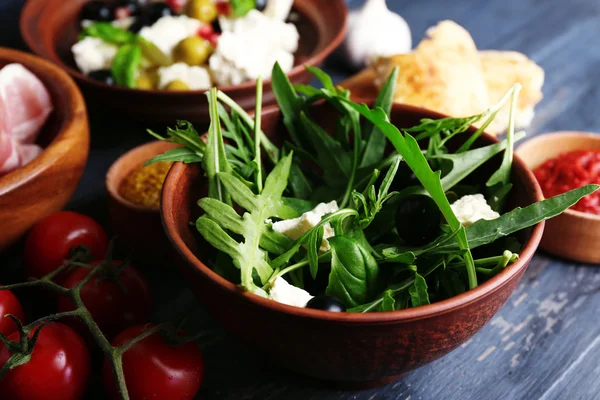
25	105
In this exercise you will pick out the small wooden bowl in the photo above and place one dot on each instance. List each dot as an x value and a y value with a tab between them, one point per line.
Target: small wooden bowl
348	348
47	183
573	234
50	28
139	228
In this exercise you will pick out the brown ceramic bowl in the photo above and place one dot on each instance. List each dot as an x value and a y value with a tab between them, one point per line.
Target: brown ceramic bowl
50	28
367	348
47	183
573	234
138	227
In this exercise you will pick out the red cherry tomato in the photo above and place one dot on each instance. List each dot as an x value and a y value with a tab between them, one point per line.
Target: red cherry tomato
224	7
49	241
59	367
154	369
206	31
9	304
214	39
177	5
112	307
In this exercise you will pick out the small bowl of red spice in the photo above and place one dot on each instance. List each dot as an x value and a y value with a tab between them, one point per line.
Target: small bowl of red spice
134	206
562	161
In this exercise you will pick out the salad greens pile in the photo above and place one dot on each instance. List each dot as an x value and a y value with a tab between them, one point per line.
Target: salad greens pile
372	263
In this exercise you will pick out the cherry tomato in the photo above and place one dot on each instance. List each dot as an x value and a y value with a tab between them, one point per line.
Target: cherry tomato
9	304
113	306
59	367
49	241
154	369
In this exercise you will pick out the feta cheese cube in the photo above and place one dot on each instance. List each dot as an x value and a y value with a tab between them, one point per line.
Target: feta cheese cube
250	46
197	78
167	32
278	9
93	54
471	208
283	292
296	227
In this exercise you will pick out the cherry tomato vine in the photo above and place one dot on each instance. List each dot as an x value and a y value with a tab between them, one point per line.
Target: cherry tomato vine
21	350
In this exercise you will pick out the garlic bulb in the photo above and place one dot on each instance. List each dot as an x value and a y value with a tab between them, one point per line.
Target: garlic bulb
375	31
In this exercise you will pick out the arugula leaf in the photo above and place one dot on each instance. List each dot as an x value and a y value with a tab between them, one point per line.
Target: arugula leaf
418	291
483	231
181	154
388	302
247	255
215	159
288	101
241	7
125	65
257	132
314	244
108	33
409	149
376	141
185	135
354	272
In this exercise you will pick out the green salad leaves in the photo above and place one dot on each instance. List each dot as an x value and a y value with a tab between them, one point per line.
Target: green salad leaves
356	156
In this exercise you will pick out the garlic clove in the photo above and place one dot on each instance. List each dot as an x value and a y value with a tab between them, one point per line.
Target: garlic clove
375	31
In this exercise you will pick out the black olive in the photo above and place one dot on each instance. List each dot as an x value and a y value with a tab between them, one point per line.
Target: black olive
155	11
261	5
418	220
326	303
97	11
104	76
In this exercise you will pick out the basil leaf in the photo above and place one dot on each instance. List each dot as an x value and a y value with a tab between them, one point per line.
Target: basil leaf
418	291
241	7
354	272
376	141
126	64
109	33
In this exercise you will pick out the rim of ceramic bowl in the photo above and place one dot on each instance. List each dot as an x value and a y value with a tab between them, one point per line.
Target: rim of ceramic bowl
72	124
453	303
114	178
34	7
557	135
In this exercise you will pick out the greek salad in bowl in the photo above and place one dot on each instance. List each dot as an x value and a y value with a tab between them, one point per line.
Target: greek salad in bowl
353	213
184	44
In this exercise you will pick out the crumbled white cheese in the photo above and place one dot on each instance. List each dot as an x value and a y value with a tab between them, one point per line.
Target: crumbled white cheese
471	208
93	54
294	228
278	9
168	31
283	292
250	46
196	78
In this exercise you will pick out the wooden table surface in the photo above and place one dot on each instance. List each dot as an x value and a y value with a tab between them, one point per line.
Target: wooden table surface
544	343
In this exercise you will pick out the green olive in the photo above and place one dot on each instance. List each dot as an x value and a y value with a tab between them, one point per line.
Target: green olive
177	85
204	10
193	51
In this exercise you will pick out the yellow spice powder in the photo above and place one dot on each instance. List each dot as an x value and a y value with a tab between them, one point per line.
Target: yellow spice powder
143	185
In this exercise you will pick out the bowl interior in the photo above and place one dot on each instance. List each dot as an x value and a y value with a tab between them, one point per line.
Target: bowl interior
186	184
541	148
51	28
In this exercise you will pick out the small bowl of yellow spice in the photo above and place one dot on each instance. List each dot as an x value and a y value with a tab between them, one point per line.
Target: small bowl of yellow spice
134	206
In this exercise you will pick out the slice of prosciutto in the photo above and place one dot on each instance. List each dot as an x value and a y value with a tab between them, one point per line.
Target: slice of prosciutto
25	105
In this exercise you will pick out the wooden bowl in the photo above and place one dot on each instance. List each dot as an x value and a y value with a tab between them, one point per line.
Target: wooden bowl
47	183
366	349
50	28
573	234
139	228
